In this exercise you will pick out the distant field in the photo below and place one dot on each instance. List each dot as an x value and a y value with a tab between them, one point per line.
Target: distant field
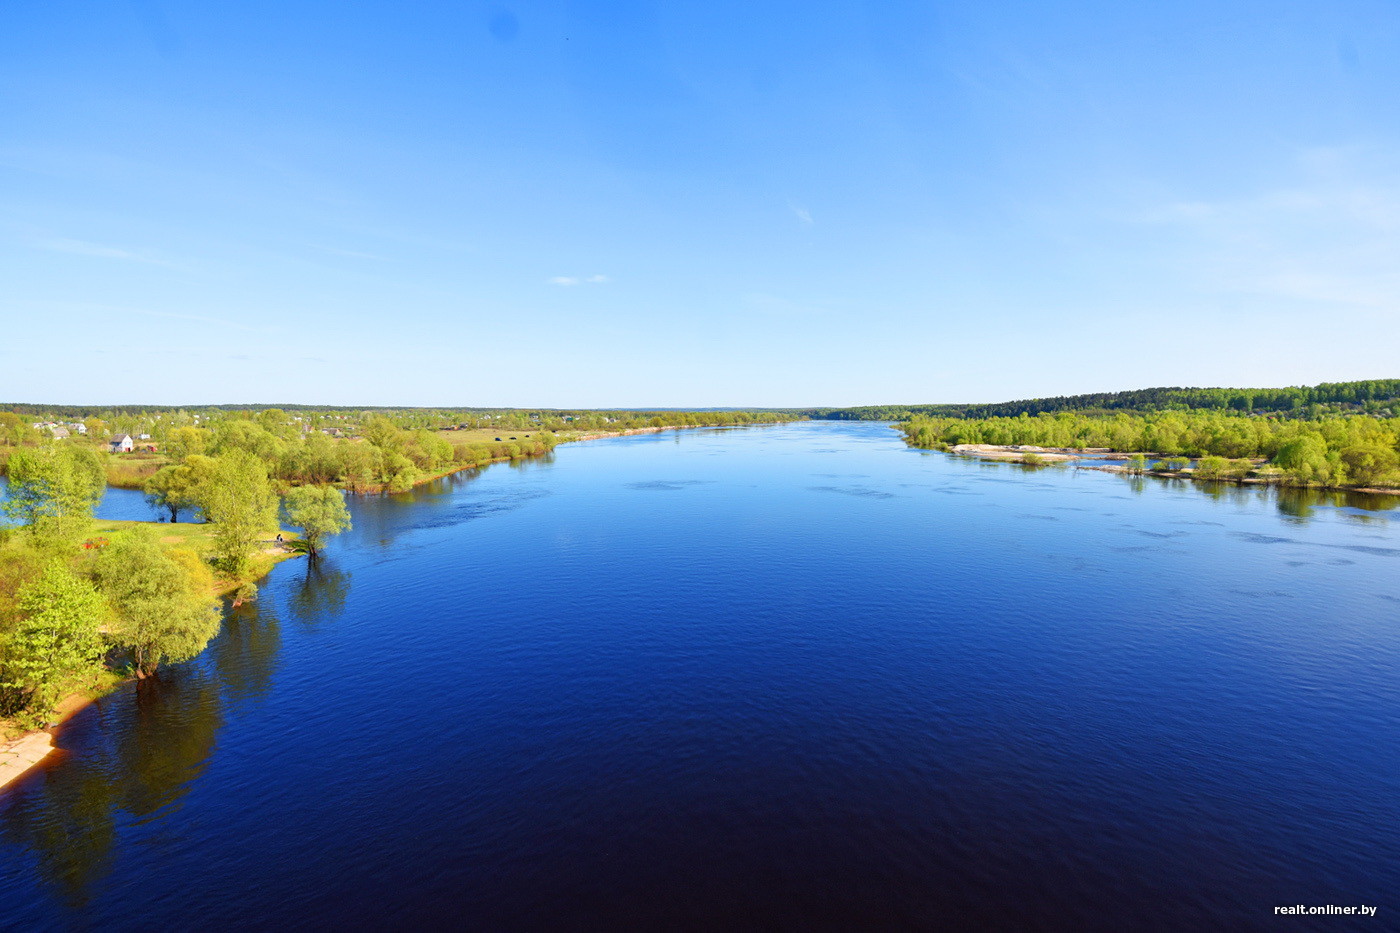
489	435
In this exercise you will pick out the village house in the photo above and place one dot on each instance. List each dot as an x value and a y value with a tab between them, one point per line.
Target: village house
122	444
59	432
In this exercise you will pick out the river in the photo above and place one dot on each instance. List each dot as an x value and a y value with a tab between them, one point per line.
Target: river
785	677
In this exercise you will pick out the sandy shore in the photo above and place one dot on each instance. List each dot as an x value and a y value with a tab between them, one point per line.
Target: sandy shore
20	756
1016	452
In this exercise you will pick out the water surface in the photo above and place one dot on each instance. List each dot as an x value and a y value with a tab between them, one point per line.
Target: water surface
790	677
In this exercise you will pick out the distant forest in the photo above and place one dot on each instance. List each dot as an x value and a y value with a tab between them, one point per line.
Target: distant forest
1372	396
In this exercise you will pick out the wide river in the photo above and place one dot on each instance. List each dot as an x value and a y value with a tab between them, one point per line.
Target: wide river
794	677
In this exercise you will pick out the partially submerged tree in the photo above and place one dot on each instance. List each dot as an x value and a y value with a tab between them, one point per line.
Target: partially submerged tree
162	601
319	511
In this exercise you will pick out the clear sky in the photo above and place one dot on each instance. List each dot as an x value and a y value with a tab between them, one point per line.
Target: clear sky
615	203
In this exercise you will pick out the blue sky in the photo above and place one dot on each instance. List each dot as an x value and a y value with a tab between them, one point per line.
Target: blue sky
620	203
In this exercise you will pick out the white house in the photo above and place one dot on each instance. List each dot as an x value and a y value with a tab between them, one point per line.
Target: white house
122	444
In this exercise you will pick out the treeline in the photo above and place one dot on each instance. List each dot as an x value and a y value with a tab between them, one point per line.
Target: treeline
1374	396
157	422
1333	450
384	456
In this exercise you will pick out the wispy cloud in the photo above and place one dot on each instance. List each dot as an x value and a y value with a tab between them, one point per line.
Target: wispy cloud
1329	238
803	215
100	250
570	280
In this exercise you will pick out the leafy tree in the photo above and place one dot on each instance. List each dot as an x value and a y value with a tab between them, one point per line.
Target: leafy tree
54	489
56	638
238	498
1304	459
184	442
174	488
1212	467
1369	462
162	600
14	430
319	511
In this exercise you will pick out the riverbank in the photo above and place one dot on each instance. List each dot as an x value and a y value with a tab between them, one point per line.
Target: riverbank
565	438
21	750
21	753
1011	453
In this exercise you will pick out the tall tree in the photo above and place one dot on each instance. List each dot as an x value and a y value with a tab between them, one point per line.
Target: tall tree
319	511
162	601
174	488
238	498
54	489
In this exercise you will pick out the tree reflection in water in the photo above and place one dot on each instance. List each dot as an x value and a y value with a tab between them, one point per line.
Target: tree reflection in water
320	595
131	758
1297	503
135	753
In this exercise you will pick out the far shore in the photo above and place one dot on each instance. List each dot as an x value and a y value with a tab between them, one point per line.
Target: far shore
21	755
1016	453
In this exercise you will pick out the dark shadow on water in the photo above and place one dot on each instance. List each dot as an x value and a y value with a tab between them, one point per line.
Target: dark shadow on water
128	759
245	653
320	593
1296	504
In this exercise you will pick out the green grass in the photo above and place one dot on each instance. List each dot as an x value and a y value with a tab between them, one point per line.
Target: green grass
199	538
487	436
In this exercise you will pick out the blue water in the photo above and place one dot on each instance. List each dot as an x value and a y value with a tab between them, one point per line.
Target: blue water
794	677
128	505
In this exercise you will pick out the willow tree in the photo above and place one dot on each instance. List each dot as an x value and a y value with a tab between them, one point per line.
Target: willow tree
239	500
54	489
319	511
162	600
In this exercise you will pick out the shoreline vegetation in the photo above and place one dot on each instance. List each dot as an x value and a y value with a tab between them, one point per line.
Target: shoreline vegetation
87	605
1154	464
27	732
1340	436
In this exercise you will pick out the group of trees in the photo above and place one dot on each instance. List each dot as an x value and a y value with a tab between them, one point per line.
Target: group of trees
65	608
1332	450
69	606
1373	396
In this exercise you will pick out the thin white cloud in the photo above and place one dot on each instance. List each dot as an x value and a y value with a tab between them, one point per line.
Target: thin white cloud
563	280
102	251
569	280
803	215
1330	238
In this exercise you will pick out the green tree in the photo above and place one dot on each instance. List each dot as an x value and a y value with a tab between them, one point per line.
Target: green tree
54	489
1304	459
184	442
239	499
1369	463
162	600
1212	467
56	638
319	511
174	488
